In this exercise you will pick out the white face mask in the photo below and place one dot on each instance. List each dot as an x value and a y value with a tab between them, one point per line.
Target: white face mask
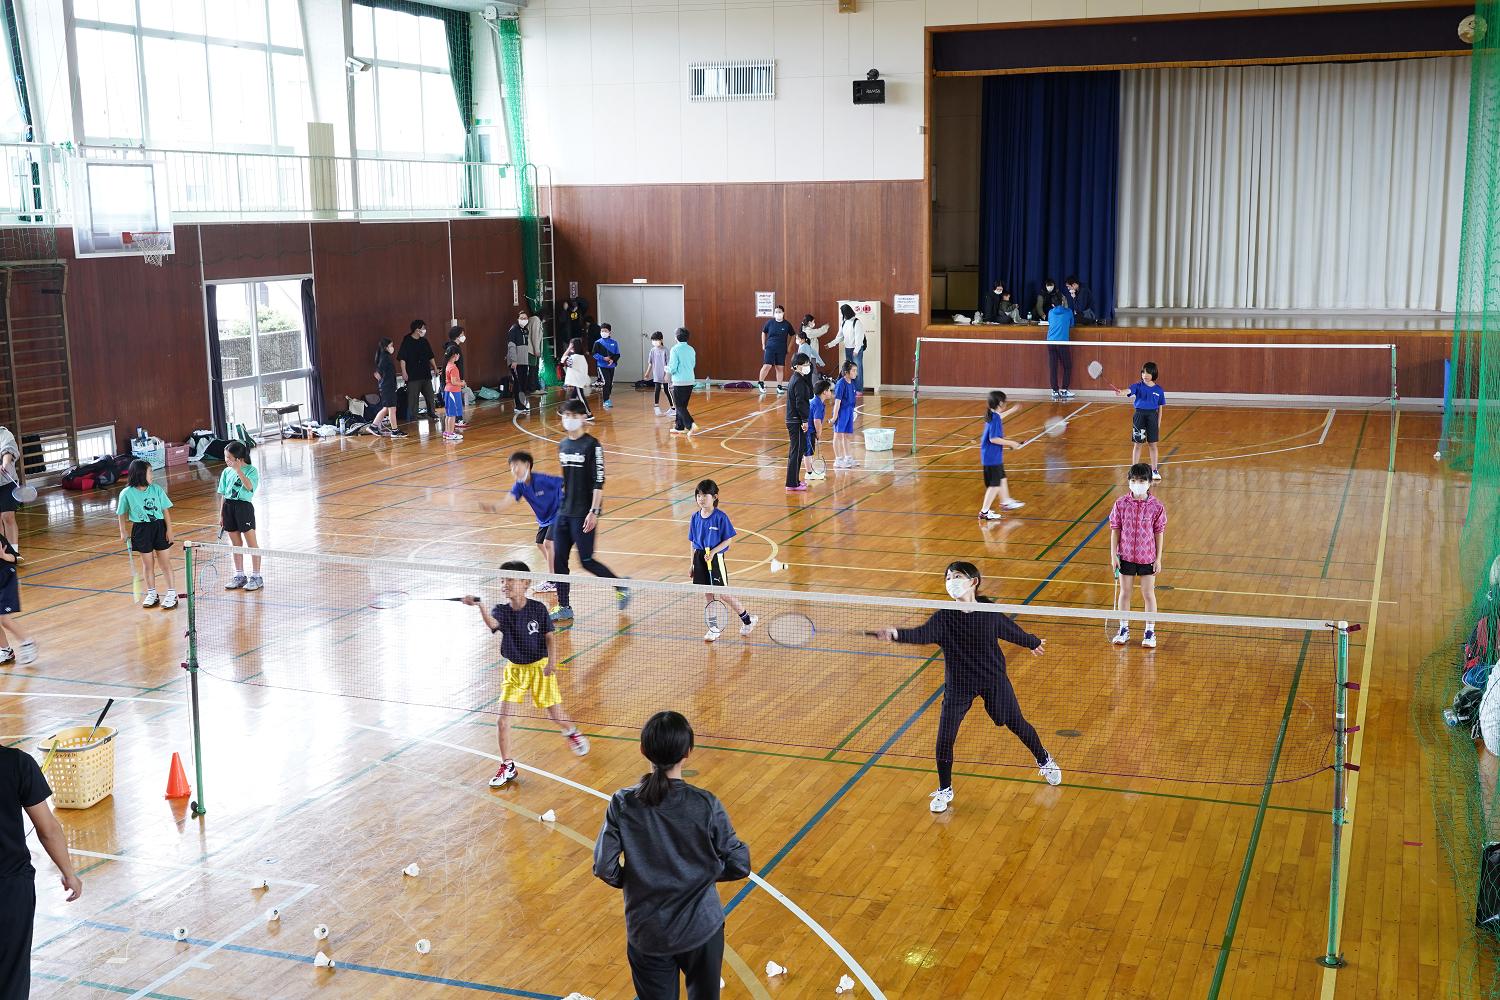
958	586
572	423
780	317
1139	489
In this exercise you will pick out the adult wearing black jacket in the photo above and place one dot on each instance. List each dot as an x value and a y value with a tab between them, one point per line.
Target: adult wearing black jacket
798	401
998	307
1081	301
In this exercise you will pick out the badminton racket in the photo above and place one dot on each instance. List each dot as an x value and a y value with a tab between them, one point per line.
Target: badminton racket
21	494
1112	625
793	628
206	571
97	723
386	600
135	577
1096	370
716	615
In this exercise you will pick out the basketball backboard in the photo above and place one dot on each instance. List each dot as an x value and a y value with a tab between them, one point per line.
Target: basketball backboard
114	197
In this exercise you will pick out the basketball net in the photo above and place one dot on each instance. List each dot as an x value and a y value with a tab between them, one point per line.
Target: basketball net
152	246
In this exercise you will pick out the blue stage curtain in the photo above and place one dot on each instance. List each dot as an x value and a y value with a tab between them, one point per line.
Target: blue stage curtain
1049	183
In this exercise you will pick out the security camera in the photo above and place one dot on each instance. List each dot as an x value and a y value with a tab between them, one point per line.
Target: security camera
354	65
873	74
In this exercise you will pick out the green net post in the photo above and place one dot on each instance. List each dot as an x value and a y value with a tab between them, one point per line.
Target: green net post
1331	958
191	666
916	367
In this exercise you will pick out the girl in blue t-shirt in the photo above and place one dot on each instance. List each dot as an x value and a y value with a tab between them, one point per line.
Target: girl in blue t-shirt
845	398
992	445
709	532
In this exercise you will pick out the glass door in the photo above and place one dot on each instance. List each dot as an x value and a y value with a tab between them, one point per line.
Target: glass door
262	351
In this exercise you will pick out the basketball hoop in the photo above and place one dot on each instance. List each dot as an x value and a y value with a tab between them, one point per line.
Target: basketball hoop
153	246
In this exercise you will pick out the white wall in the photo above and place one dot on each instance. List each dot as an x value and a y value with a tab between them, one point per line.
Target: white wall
606	84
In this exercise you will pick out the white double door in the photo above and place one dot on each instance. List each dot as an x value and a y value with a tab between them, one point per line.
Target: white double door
634	313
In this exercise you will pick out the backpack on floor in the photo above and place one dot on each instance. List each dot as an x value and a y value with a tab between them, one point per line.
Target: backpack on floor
97	474
1487	909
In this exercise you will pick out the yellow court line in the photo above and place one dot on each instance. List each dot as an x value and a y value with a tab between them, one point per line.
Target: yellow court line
1330	976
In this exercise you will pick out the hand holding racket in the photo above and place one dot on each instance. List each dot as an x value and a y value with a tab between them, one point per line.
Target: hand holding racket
1096	370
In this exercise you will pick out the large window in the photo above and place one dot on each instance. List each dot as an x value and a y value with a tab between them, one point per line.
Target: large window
404	105
193	74
262	348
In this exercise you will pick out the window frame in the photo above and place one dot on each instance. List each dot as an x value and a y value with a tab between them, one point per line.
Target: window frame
139	33
376	63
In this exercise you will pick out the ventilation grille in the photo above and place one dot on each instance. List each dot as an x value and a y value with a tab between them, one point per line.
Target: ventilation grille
742	80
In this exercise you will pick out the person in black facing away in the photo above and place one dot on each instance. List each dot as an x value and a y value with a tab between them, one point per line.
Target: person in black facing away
678	842
385	379
1081	301
24	788
973	666
798	401
415	363
582	459
998	307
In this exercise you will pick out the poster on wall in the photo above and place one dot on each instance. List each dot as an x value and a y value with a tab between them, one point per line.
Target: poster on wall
765	304
572	289
515	292
908	304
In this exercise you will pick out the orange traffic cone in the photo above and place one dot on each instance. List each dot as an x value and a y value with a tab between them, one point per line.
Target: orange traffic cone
177	783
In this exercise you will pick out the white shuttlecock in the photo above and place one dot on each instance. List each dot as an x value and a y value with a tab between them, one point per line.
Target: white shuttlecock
180	933
273	914
424	946
772	969
1437	455
721	982
577	996
262	884
846	985
320	932
777	566
548	817
411	870
322	961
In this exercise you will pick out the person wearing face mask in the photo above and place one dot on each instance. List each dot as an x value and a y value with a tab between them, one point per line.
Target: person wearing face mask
457	337
417	364
974	667
518	358
773	338
1044	300
1137	529
582	459
798	400
851	337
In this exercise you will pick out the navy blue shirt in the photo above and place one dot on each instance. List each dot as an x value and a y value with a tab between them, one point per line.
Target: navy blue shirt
1148	397
992	454
777	332
606	349
708	532
523	634
543	493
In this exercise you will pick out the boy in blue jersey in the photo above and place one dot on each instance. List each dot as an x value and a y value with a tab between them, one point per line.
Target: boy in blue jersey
845	398
1060	320
992	445
544	494
817	412
607	354
1145	425
709	532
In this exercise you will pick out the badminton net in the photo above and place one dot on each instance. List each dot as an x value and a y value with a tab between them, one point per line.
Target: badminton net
1212	703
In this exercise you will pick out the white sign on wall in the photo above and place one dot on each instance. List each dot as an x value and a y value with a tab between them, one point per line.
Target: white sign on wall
765	304
515	291
908	304
572	289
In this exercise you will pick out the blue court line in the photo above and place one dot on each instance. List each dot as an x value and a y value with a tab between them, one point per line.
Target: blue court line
307	960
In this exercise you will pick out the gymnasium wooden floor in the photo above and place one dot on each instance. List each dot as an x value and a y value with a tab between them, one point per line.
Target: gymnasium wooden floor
1102	887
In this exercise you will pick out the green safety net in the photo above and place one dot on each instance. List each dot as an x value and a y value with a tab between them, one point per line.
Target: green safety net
1470	441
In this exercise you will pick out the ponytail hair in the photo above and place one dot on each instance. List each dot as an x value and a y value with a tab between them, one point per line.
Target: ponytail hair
385	342
666	739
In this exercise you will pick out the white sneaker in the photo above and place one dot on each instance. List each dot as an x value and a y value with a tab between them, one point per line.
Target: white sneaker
1122	636
27	653
1051	771
578	742
7	654
940	800
747	629
988	515
671	412
1156	475
657	409
1149	641
151	600
1012	504
170	601
545	587
712	634
507	773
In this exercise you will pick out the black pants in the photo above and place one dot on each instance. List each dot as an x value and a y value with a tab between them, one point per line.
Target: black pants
567	532
661	387
608	374
420	386
1000	702
797	438
520	384
680	395
18	910
573	392
655	977
1060	354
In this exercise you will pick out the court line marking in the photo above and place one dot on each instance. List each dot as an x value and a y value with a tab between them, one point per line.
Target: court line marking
192	868
1356	750
755	878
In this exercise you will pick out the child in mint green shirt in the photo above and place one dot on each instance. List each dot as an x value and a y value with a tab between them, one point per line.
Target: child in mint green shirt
237	485
146	507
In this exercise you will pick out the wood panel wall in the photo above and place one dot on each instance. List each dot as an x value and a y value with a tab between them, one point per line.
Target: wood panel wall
812	244
137	332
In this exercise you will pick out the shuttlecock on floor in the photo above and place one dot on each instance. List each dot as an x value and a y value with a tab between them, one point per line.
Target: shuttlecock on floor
721	982
777	566
846	985
180	933
424	946
320	932
411	870
262	884
322	961
577	996
548	817
1437	455
273	914
772	969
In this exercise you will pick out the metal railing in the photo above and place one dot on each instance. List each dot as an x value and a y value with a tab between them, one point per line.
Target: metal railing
212	186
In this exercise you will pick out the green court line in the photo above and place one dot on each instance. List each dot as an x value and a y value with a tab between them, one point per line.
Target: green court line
881	707
1260	818
1070	527
1349	481
1180	423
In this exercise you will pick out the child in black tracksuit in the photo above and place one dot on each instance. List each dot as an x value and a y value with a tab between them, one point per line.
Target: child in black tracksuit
974	667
